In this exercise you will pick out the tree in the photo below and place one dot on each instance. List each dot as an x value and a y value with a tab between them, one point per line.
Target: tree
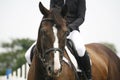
18	44
110	46
14	55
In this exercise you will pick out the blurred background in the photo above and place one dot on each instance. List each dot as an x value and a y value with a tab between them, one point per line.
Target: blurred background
20	20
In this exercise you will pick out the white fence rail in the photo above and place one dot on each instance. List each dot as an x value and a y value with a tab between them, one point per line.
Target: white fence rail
20	74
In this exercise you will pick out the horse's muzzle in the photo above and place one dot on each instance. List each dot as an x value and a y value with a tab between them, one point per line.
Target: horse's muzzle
52	72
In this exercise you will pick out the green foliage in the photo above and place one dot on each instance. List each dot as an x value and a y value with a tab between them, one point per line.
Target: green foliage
14	55
110	46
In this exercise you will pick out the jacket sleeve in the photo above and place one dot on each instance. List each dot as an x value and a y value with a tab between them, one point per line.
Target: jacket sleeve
81	15
52	3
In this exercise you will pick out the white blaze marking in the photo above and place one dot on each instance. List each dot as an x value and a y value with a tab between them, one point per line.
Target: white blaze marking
57	65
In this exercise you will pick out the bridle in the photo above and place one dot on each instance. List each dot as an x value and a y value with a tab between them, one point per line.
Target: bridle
45	52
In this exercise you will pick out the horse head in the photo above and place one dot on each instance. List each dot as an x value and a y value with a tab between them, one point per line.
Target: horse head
52	38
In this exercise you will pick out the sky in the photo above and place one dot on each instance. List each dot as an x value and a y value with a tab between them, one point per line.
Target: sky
21	19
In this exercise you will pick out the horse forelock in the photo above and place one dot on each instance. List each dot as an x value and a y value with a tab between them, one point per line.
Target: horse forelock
56	13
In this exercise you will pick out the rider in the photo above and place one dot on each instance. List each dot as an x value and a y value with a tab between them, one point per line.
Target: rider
75	17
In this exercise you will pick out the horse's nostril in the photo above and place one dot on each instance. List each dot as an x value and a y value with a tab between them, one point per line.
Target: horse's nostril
49	69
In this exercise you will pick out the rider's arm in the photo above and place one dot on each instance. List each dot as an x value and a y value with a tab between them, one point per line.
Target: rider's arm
52	3
81	15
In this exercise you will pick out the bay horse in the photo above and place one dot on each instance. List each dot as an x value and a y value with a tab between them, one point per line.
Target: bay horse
52	62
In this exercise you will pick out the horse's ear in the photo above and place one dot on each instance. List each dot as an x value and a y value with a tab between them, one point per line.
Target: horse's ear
64	10
43	10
